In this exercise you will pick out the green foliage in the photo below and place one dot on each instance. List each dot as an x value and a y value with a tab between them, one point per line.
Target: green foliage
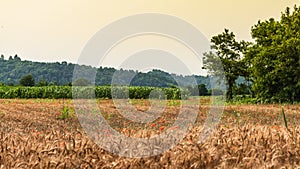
57	92
271	64
199	90
51	92
243	99
228	59
42	83
155	78
241	89
53	83
65	113
275	58
82	82
14	69
27	81
215	92
141	92
173	103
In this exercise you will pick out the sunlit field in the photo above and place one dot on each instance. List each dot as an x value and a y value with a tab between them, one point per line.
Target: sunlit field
46	133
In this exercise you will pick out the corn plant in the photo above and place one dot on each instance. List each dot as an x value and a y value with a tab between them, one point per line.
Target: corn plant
65	113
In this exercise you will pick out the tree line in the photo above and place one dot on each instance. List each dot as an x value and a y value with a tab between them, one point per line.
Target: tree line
13	69
270	64
16	72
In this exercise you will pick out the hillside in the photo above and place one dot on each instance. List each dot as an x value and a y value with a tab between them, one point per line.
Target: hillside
13	69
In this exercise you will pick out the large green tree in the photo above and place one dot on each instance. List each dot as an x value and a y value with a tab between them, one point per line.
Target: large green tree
27	81
227	59
274	58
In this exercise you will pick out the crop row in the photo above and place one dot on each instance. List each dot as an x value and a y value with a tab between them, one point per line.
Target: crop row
109	92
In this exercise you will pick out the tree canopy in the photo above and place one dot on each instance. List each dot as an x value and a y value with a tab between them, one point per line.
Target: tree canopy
271	63
27	80
274	58
227	59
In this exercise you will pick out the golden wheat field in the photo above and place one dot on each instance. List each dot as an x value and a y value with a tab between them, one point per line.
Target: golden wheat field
35	134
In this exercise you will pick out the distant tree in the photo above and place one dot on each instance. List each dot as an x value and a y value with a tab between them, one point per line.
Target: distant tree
2	57
12	70
27	80
81	82
53	83
69	84
42	83
174	86
198	90
229	56
202	90
215	92
17	58
241	89
10	84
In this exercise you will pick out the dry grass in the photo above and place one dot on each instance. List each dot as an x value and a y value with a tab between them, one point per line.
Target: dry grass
31	136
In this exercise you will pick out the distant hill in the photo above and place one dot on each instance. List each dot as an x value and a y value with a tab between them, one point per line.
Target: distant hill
13	69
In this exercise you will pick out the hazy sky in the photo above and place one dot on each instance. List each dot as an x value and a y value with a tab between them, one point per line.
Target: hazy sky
57	30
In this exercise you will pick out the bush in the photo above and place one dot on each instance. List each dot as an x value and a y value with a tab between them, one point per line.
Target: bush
27	81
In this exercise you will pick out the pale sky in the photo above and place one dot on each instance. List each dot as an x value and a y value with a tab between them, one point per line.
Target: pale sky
57	30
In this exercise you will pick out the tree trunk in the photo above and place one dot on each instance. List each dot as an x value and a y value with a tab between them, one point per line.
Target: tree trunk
229	93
